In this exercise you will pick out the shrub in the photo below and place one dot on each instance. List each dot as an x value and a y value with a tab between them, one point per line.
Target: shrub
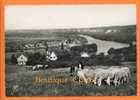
13	59
36	58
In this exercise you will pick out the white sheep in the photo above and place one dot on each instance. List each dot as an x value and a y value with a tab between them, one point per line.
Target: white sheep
81	74
126	74
101	75
111	76
121	76
86	75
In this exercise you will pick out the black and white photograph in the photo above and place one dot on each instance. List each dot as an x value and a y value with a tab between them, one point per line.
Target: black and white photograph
70	50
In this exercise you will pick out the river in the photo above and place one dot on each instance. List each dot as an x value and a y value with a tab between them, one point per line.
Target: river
102	45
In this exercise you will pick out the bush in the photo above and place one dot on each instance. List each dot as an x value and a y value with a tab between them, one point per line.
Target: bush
13	59
36	58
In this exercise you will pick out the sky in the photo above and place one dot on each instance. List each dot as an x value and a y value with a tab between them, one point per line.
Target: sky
68	16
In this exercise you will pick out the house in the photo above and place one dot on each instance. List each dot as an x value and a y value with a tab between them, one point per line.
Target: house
29	48
108	31
39	45
35	47
51	56
53	43
22	60
84	55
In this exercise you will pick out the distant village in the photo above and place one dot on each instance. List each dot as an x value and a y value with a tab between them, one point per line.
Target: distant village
43	52
65	51
49	49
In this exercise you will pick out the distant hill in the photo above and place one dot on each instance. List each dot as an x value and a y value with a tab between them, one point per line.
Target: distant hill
124	34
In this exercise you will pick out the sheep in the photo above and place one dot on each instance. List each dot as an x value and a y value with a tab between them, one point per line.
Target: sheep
101	75
81	74
114	75
121	76
87	75
118	77
90	75
125	75
93	74
112	72
127	70
46	66
107	75
98	74
37	67
33	68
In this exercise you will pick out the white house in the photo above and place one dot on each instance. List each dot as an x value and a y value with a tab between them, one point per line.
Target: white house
108	31
22	60
85	55
51	56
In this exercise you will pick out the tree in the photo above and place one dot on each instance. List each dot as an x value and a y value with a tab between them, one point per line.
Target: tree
111	51
13	59
46	45
62	46
36	58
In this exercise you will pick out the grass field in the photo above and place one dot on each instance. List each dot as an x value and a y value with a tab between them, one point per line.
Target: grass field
21	82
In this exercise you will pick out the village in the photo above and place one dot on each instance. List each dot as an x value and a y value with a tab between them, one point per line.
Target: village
57	54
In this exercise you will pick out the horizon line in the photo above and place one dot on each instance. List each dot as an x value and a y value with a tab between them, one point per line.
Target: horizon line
73	27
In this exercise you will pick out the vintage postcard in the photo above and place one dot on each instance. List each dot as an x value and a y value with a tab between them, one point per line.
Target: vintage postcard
70	50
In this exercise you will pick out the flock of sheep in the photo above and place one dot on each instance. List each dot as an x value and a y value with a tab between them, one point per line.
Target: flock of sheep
112	75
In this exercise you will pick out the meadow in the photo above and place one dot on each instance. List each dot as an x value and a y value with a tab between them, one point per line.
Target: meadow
21	82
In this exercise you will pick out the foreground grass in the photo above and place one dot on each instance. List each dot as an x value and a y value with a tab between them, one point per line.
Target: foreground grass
21	82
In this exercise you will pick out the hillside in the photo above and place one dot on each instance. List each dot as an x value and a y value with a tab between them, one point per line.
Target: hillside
124	34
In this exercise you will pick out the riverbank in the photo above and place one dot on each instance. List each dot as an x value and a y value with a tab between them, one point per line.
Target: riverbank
102	45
